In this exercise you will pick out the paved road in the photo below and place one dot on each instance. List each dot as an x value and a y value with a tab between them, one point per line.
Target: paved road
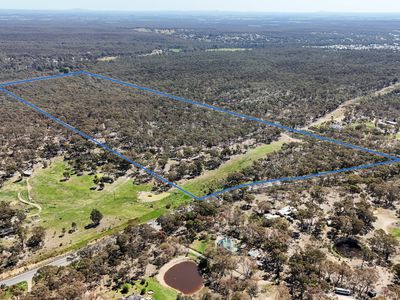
28	275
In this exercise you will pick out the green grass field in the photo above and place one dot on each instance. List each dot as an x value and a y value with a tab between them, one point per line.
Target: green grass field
395	232
200	246
160	292
10	190
151	284
72	201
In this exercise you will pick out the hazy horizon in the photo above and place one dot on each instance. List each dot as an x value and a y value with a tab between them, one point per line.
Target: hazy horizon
249	6
83	10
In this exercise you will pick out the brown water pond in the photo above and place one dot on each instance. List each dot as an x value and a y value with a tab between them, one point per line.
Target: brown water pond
184	277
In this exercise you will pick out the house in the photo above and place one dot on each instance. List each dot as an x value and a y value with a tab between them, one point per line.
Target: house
337	127
255	253
187	208
155	225
258	255
270	216
286	211
227	243
27	173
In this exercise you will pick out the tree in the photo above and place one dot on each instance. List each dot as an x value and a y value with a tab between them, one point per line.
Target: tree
383	244
385	194
10	218
66	175
96	180
364	280
170	223
339	274
309	216
317	195
283	292
57	283
65	70
350	219
96	216
396	271
221	264
275	247
37	238
252	289
306	271
392	292
248	266
74	227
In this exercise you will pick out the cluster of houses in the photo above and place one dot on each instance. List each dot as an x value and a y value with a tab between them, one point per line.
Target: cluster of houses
388	124
232	245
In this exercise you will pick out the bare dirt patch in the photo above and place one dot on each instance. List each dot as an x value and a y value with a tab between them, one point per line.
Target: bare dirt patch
146	197
386	219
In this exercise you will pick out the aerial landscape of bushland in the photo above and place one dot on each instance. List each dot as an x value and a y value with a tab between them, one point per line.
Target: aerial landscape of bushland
93	226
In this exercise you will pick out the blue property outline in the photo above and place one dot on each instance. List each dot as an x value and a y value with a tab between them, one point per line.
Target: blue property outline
392	159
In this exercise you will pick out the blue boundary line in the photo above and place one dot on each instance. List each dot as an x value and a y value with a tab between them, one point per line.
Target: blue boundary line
242	116
392	159
41	78
299	178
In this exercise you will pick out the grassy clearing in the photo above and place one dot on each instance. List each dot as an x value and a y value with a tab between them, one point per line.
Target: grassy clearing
160	292
151	284
9	192
395	232
14	291
199	246
369	125
213	178
175	50
72	201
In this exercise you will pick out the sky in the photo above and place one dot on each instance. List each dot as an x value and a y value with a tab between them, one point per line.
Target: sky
369	6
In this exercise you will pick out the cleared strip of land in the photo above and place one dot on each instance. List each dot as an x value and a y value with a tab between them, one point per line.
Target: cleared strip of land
338	114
